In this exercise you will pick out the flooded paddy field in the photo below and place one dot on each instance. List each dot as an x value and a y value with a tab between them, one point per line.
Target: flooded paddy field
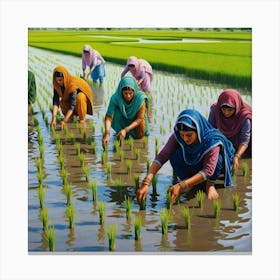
77	155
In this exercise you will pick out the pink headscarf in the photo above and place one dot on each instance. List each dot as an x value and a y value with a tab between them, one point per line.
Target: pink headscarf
87	58
231	126
140	65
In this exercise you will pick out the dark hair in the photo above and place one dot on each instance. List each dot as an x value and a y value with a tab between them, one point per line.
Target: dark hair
181	126
58	74
127	88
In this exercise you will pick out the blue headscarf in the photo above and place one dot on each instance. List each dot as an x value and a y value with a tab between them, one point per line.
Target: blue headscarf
208	138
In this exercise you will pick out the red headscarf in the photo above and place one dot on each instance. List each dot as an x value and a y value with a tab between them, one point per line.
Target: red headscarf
231	126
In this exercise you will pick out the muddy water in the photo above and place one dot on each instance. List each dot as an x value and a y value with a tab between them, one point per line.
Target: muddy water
231	231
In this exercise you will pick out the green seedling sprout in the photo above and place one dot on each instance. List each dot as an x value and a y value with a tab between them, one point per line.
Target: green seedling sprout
137	227
137	154
109	170
86	169
245	168
164	218
93	146
145	141
236	201
130	142
187	217
217	207
64	175
121	155
77	148
68	192
42	151
118	184
112	233
44	218
200	196
136	181
101	210
51	238
94	190
82	159
143	203
154	184
41	194
128	164
40	177
61	161
148	164
128	206
72	138
117	145
70	213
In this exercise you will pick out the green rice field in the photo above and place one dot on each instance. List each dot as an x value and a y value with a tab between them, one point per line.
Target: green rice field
223	56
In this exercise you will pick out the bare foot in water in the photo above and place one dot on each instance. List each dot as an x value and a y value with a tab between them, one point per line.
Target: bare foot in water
211	192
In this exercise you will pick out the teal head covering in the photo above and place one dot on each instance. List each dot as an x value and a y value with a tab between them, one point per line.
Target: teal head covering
125	113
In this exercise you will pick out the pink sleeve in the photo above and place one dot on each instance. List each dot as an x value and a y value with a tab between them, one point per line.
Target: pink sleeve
210	161
166	152
125	70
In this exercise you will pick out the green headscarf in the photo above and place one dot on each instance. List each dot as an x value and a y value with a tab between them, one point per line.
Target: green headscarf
124	114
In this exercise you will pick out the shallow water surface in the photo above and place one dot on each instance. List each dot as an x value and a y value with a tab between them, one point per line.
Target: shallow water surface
231	231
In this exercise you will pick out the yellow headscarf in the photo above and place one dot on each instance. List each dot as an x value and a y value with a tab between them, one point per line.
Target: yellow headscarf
71	84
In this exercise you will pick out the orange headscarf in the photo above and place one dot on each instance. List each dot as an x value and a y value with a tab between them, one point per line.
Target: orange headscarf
71	84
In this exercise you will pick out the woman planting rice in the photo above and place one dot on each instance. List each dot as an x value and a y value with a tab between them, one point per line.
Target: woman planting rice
72	94
197	152
127	112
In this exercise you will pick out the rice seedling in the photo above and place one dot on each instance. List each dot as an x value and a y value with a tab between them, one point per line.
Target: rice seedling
117	145
164	218
121	155
40	139
44	218
143	203
41	194
42	151
236	201
101	210
70	214
64	175
86	169
168	200
84	134
137	227
68	192
82	159
109	170
72	138
112	233
93	146
200	196
39	164
154	184
245	168
128	206
187	217
77	148
89	140
130	142
61	161
94	190
92	126
51	238
136	181
103	157
144	141
128	164
217	207
40	177
137	154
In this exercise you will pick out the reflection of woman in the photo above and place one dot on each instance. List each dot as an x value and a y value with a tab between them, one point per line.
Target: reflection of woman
141	70
96	63
233	118
72	94
126	112
197	152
